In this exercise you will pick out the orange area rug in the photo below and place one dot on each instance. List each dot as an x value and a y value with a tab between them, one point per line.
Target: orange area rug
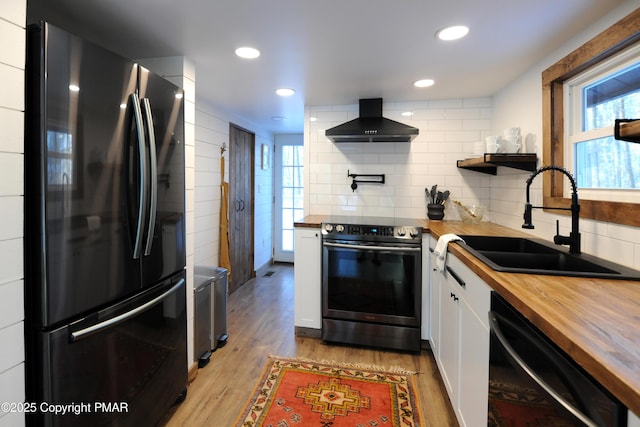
307	393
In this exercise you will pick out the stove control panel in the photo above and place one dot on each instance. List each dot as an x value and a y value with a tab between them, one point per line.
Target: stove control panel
399	232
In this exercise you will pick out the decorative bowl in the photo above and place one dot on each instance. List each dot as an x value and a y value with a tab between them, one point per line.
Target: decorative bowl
471	214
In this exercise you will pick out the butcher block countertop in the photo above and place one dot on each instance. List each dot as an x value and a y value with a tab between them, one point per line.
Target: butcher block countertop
595	321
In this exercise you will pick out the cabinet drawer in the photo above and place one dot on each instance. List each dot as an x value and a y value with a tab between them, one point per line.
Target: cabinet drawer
473	290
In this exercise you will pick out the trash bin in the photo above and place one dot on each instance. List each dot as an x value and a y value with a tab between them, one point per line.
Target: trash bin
215	279
202	315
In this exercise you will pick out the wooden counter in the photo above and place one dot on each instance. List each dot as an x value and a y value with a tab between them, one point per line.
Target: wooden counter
595	321
310	221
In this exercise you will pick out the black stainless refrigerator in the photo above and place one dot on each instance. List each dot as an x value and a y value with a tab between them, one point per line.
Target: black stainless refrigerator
105	298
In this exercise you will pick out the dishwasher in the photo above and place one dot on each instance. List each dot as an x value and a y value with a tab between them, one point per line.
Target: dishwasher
533	382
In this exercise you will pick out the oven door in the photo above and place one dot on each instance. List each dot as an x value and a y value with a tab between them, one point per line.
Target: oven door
372	282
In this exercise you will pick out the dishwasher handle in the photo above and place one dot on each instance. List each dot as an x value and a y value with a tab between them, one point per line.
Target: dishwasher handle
494	322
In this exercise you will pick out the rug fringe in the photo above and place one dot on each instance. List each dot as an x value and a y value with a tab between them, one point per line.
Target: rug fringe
348	365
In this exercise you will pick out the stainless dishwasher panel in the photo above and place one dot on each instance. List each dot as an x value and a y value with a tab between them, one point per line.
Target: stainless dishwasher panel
532	381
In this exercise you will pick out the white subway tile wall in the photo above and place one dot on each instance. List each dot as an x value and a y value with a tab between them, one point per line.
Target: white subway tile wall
12	27
449	130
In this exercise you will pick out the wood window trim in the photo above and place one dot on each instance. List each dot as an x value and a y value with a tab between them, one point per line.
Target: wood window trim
619	36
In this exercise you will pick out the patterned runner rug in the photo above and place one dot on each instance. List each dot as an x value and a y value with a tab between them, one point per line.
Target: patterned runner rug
301	392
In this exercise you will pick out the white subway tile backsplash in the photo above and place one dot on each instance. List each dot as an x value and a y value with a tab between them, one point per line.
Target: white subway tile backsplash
447	127
446	103
476	102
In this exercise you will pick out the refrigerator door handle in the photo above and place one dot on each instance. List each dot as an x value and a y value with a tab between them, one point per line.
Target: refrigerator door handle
82	333
153	174
143	196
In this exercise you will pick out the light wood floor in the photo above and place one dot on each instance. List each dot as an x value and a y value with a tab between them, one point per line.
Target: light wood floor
260	323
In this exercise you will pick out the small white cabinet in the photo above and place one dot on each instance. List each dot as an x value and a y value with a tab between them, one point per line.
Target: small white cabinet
461	333
307	273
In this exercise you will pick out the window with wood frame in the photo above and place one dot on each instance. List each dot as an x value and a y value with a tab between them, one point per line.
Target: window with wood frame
618	38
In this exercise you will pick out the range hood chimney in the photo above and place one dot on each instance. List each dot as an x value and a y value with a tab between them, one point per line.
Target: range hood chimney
371	126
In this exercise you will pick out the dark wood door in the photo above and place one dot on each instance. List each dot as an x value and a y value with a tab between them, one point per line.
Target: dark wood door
241	207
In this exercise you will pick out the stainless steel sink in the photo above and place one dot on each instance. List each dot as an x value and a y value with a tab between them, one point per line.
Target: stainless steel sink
537	256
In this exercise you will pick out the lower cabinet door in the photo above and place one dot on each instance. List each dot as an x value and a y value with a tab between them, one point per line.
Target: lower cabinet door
449	340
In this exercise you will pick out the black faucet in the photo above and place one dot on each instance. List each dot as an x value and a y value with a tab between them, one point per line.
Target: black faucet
573	240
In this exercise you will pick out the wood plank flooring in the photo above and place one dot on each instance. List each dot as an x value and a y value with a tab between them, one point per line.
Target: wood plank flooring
260	323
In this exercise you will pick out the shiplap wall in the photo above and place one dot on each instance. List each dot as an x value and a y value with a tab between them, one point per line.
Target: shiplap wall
212	131
12	59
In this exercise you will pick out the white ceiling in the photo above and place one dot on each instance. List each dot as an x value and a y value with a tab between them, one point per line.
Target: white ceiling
330	51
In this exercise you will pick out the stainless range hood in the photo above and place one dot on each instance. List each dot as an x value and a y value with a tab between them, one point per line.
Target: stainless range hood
371	126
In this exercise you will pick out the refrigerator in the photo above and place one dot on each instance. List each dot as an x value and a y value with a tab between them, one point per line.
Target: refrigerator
105	297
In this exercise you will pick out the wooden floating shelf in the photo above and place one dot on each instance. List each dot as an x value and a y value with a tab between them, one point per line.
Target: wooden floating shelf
627	130
489	162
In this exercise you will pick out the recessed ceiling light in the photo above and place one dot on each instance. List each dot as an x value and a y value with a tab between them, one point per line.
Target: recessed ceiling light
424	83
313	119
407	114
247	52
74	88
452	33
285	91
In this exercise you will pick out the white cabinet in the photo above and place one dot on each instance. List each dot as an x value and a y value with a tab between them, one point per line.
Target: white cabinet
449	338
634	420
307	278
462	340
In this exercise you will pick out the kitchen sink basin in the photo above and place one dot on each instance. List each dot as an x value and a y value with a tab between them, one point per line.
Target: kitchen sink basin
537	256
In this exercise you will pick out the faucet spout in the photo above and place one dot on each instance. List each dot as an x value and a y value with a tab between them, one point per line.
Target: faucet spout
573	240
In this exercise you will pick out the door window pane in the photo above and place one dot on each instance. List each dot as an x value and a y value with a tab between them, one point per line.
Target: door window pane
292	191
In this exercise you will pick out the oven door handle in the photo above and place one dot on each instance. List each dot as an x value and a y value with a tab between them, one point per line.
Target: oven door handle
494	322
373	248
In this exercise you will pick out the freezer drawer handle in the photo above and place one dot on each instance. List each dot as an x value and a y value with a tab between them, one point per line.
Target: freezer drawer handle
82	333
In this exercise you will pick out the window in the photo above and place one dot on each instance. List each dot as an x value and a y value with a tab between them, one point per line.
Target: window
603	166
292	191
578	134
60	158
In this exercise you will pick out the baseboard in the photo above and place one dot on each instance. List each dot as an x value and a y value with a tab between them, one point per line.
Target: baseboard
308	332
